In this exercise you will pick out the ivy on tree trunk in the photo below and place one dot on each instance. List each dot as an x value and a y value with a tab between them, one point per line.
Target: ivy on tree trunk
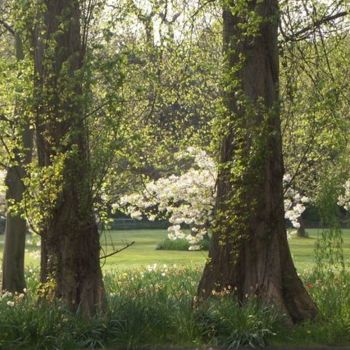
70	240
250	253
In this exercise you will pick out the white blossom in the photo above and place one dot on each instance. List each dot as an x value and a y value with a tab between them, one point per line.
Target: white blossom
189	198
293	202
344	199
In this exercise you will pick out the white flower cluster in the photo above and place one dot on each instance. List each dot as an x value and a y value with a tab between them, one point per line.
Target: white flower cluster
294	203
12	299
344	199
188	199
163	270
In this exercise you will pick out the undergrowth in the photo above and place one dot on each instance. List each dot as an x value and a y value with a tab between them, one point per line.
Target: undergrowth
153	306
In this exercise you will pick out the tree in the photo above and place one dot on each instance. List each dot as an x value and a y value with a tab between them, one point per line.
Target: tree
20	154
188	199
250	252
16	226
171	73
315	103
70	239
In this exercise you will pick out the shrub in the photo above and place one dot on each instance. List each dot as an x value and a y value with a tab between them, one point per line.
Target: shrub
181	244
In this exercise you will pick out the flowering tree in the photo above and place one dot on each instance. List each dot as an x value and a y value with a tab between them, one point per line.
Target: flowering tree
344	199
294	203
188	199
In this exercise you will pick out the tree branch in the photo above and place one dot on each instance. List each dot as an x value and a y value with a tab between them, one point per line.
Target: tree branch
117	251
300	34
7	27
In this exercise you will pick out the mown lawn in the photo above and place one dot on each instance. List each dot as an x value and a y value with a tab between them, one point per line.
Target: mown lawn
144	252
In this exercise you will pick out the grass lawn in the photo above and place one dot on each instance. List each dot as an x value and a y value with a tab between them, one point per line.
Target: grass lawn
143	252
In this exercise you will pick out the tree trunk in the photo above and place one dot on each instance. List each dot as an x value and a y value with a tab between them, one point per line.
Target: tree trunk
16	228
301	232
249	252
70	239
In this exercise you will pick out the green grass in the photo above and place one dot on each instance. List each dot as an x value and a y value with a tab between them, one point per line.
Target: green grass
144	252
303	248
153	305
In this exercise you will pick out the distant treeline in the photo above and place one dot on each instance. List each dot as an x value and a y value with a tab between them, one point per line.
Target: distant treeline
311	218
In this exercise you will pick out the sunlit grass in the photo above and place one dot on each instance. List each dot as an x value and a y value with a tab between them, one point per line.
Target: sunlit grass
144	252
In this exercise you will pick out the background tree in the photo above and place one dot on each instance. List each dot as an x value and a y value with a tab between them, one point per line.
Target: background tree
314	105
166	90
18	143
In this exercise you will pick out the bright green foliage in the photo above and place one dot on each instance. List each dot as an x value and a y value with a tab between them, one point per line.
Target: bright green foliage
169	80
315	109
330	291
329	248
16	86
44	185
147	95
227	324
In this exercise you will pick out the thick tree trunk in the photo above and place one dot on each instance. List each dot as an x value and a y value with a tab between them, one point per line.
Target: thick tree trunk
70	239
16	228
249	252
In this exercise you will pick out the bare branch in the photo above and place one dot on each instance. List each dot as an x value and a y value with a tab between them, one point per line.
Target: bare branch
304	32
117	251
7	27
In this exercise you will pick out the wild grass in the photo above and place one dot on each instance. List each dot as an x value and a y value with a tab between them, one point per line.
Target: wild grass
150	304
153	306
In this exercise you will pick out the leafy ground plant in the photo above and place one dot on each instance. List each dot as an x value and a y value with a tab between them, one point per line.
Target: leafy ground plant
153	306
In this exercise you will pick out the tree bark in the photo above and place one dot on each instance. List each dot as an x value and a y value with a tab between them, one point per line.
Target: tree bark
249	254
70	239
301	232
15	230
